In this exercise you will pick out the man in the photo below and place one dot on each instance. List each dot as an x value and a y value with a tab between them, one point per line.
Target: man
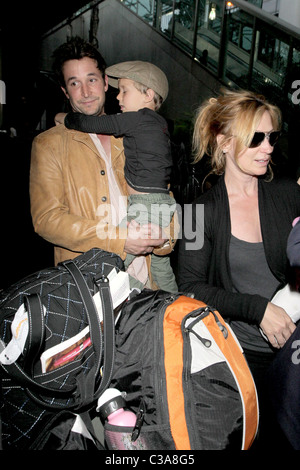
77	179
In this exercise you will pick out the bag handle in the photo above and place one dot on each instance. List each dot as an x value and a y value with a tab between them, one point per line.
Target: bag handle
95	326
35	311
36	329
36	324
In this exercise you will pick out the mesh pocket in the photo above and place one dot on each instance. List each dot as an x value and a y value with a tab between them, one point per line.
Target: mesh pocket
156	437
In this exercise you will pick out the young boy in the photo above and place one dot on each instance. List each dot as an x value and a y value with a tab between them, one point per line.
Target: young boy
148	161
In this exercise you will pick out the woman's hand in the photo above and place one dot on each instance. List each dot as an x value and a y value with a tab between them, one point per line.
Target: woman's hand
277	325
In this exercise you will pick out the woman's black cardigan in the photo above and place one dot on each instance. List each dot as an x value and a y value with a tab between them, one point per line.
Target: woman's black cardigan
205	272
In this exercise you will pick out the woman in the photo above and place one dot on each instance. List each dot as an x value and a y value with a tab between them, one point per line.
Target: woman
247	219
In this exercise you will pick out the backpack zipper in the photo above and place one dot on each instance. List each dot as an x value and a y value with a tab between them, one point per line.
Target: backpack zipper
160	378
199	315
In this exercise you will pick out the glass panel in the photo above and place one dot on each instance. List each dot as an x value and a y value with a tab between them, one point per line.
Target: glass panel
293	76
272	53
184	15
132	4
257	3
239	33
209	26
270	61
296	57
215	12
146	10
164	16
143	8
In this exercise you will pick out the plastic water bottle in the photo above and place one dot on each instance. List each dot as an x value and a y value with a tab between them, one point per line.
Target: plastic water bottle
111	406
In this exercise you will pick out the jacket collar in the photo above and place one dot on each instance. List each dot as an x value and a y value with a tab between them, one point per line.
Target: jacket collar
116	144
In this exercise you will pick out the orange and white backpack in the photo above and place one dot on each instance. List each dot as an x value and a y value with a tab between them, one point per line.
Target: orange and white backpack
184	375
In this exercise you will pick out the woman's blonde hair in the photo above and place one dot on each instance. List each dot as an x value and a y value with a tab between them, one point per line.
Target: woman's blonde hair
232	114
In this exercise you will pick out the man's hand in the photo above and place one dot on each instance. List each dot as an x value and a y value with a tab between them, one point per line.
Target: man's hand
142	239
60	118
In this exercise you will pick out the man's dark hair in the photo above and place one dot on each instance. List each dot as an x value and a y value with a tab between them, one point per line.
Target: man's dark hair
75	48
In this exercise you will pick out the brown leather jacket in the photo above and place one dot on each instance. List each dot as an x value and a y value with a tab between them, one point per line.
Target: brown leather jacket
65	211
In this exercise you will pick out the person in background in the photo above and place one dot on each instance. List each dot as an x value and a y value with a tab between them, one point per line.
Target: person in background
148	160
293	244
77	186
247	219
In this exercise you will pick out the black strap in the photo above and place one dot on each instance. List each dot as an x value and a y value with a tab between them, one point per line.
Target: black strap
95	326
36	331
109	336
36	334
90	308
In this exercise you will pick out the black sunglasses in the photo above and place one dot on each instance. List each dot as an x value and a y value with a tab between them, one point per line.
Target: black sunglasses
259	137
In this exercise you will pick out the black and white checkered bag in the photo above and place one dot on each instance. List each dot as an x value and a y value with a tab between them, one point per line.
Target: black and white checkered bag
52	348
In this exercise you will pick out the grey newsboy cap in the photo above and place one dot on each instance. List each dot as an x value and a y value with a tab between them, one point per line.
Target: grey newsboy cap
142	72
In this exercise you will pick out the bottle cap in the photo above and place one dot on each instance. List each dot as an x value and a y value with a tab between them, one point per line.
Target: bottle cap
111	400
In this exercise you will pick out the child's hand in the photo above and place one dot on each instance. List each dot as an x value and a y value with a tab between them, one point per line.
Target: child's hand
60	118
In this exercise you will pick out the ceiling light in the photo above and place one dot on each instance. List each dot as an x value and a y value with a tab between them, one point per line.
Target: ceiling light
212	14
